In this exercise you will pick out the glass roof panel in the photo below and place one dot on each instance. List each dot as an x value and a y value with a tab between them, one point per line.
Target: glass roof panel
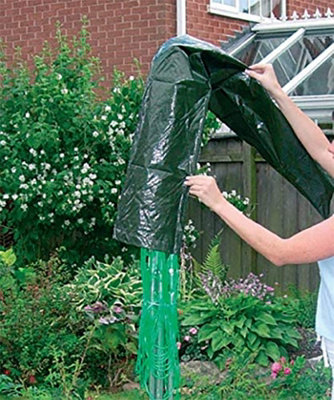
291	61
320	82
259	48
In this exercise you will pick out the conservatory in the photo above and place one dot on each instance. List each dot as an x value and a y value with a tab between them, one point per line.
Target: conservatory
302	53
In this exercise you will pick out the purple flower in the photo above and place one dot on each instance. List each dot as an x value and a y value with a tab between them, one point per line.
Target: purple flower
118	309
107	320
96	307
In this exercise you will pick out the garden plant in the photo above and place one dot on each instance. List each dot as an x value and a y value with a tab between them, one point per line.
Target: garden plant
70	295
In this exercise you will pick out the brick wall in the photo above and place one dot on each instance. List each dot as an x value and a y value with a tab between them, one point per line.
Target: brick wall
310	5
120	30
209	27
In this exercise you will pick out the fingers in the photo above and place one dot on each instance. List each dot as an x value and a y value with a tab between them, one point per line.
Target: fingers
197	179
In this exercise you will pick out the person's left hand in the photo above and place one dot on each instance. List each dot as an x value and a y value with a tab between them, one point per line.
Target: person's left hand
206	189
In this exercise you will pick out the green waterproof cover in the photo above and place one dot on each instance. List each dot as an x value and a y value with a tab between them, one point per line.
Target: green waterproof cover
188	77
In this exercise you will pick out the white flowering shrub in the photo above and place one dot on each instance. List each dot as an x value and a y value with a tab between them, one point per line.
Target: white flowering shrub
64	152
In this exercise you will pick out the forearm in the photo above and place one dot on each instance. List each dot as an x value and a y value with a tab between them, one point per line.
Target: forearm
310	135
261	239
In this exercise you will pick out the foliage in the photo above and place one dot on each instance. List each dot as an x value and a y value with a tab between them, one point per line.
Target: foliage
65	151
302	383
303	304
8	387
47	336
241	323
110	294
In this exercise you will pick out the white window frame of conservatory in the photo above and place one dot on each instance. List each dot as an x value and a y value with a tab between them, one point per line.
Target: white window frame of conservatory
309	69
319	108
233	12
274	25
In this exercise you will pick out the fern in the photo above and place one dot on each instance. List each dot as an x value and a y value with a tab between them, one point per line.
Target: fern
213	263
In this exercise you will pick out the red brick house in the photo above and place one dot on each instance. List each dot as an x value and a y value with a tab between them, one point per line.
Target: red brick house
124	30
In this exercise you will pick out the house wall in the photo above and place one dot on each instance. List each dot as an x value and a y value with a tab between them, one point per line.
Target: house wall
120	30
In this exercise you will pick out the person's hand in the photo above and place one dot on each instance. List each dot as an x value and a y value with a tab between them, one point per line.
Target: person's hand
265	74
206	189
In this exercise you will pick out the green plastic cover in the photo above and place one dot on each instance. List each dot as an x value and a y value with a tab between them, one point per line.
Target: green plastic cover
188	77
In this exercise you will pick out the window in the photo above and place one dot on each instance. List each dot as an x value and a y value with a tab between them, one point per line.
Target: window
250	10
302	53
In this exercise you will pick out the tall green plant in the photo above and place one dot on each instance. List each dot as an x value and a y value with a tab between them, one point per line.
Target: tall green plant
64	151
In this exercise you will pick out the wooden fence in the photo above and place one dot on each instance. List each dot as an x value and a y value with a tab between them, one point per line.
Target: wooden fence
278	206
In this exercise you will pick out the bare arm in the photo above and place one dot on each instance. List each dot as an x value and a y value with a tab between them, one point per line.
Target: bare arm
307	246
311	136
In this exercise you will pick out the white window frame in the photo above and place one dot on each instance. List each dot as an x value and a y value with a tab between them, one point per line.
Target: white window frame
233	12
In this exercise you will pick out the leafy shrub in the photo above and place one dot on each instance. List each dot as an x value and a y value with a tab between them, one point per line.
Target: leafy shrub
47	336
65	152
241	323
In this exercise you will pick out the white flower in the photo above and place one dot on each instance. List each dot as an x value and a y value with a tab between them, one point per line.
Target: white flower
131	78
3	143
107	108
6	196
76	149
22	178
114	190
42	152
24	207
92	176
67	222
77	193
61	155
13	170
233	192
14	196
31	166
64	91
120	116
47	166
118	182
33	152
40	204
59	76
60	193
225	194
95	134
103	117
122	124
27	115
113	124
80	221
117	90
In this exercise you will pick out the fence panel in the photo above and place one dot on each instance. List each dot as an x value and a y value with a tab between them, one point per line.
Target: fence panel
278	206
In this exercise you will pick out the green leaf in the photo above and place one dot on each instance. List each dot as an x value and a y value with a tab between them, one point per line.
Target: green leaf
220	341
131	347
261	329
266	318
262	359
273	351
251	337
8	257
206	332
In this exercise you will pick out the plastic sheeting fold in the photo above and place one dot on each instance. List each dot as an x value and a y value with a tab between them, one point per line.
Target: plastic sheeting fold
188	77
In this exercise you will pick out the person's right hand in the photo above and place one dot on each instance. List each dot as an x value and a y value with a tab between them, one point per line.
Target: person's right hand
265	74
